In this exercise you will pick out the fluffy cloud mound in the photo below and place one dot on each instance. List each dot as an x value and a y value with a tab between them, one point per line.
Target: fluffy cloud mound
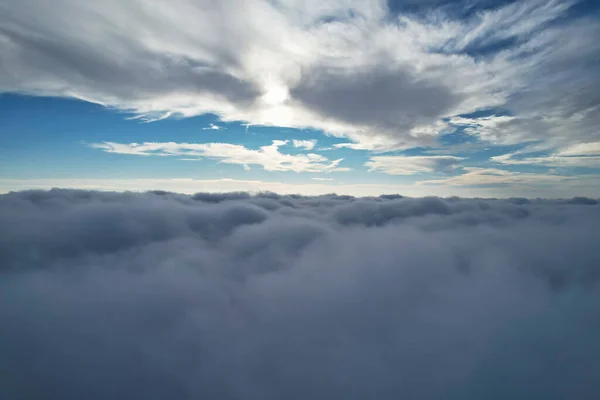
233	296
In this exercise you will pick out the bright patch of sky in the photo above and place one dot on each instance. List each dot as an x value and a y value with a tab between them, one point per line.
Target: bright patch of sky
484	98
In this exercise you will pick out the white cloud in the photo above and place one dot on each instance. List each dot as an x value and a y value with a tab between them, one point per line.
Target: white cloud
213	127
493	128
408	165
581	149
559	159
349	67
305	144
268	157
493	176
322	179
375	143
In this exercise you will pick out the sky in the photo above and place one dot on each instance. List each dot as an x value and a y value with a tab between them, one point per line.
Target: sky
299	199
470	98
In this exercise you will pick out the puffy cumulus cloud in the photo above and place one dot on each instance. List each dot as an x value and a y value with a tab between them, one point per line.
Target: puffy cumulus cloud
268	157
408	165
377	74
232	296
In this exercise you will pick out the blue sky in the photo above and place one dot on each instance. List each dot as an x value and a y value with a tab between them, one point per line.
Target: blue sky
477	98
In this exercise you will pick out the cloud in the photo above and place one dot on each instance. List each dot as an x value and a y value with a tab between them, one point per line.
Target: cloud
492	128
494	176
581	149
160	295
589	159
304	144
588	185
190	186
383	99
213	127
268	157
384	78
409	165
322	179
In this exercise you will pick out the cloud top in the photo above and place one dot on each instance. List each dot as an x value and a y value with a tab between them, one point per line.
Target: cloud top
160	295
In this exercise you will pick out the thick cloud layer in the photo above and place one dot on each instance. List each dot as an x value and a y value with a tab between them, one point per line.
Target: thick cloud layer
232	296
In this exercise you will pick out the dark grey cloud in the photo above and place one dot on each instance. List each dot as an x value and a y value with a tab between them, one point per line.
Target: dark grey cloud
232	296
70	60
390	99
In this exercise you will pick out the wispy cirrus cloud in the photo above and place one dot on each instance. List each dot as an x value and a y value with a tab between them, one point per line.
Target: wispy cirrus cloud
475	176
409	165
550	161
269	157
582	155
581	149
